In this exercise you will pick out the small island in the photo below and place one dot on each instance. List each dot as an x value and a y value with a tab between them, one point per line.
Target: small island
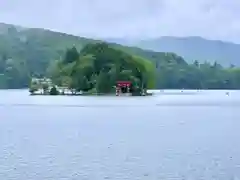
98	69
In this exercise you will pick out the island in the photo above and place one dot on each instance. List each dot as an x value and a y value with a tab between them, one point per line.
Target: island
98	69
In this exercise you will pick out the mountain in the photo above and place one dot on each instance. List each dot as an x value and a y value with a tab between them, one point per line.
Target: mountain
190	48
39	46
35	46
29	51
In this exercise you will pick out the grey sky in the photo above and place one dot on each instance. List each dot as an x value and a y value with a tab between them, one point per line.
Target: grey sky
213	19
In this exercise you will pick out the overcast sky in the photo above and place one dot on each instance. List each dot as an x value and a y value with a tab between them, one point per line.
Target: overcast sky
212	19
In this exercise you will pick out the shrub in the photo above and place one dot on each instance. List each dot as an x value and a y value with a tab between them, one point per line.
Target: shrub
54	91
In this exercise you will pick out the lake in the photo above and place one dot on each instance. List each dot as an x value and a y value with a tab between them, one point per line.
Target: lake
171	135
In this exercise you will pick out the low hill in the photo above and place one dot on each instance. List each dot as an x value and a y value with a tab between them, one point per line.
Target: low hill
39	46
26	52
190	48
31	50
35	46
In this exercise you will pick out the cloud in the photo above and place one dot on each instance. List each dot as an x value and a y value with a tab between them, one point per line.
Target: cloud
213	19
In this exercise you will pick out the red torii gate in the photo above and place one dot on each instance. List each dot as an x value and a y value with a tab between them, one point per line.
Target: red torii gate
121	84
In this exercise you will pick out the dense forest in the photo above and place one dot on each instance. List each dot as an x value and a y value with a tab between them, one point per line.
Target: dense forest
97	68
26	53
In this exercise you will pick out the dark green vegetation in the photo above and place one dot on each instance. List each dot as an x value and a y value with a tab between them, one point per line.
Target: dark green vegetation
98	67
191	48
28	52
34	52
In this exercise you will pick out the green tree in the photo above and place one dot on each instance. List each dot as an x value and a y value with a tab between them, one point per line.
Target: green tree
54	91
103	85
71	55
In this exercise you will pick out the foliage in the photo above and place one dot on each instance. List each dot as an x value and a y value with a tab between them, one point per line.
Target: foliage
32	53
198	76
99	66
53	91
80	64
71	55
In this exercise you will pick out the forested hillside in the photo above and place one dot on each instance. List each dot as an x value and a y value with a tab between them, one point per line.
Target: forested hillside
191	48
26	52
32	52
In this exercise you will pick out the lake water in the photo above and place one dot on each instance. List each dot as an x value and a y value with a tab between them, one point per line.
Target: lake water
171	135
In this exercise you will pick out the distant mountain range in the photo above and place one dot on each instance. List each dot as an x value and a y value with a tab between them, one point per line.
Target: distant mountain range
40	45
190	48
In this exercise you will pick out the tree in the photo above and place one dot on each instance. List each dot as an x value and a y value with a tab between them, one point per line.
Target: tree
83	84
54	91
102	84
71	55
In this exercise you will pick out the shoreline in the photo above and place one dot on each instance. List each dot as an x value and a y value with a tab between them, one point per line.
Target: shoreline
92	95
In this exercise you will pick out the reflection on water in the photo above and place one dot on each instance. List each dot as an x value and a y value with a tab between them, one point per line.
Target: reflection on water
171	135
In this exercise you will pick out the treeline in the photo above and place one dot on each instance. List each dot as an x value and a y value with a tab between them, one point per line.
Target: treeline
32	52
197	76
171	71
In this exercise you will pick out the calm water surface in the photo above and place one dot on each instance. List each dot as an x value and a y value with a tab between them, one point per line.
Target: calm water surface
172	135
